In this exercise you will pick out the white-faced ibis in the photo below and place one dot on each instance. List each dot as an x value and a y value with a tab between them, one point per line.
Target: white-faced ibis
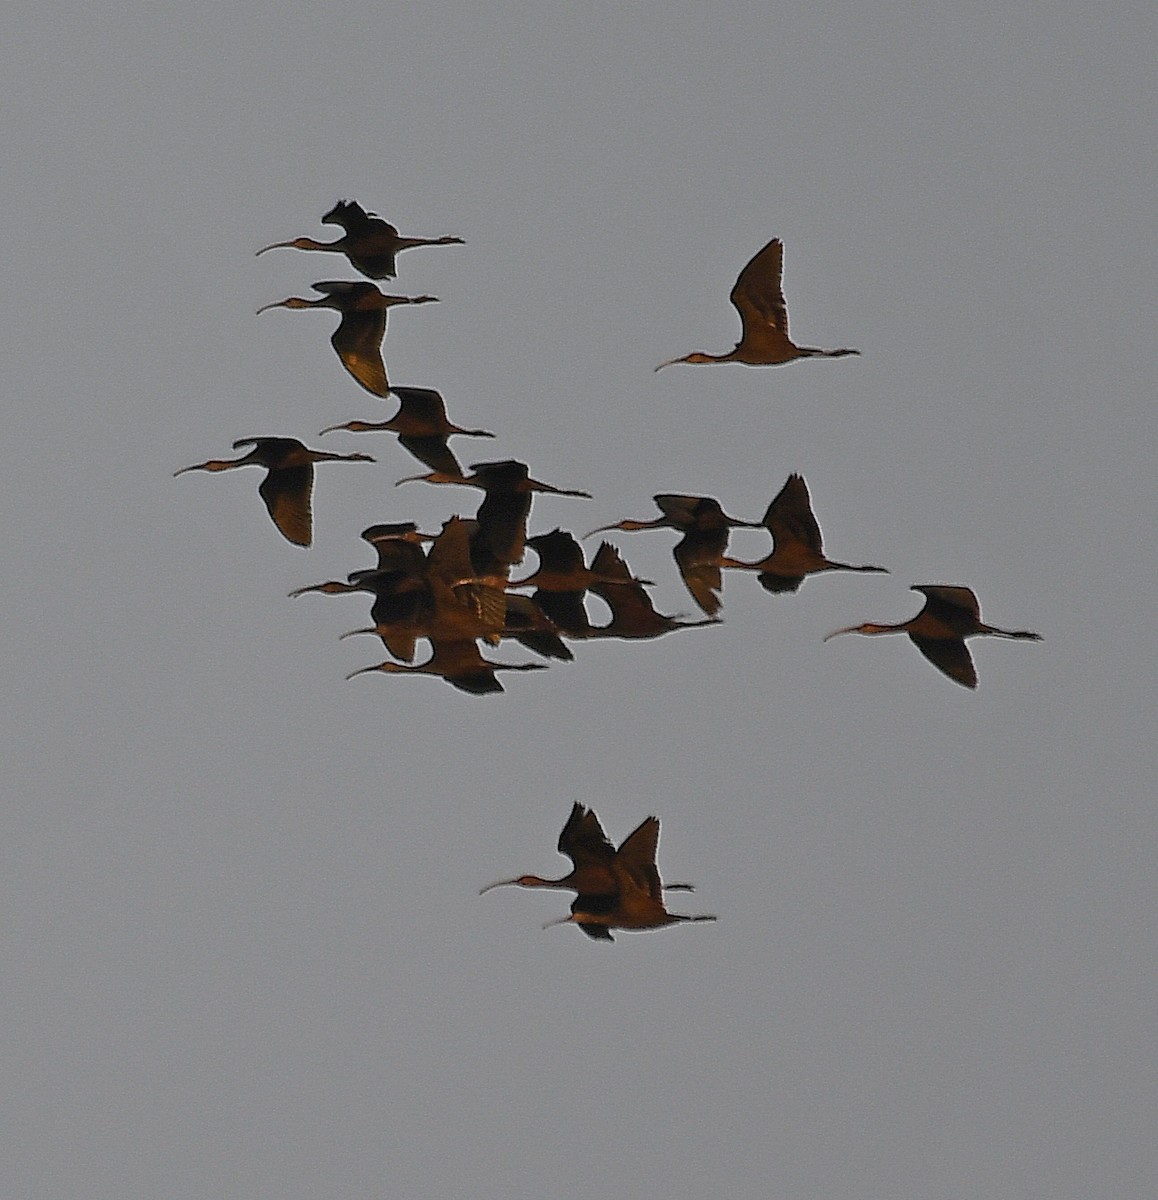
632	613
289	485
797	546
460	663
502	516
637	901
586	845
358	338
705	527
422	427
939	630
759	299
370	243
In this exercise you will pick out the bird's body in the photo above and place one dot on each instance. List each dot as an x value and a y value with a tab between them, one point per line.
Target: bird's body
705	528
759	299
370	243
637	899
950	615
358	338
798	549
288	487
460	663
422	427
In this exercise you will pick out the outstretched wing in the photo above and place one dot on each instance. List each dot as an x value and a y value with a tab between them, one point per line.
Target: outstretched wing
636	858
286	492
698	557
790	518
358	341
759	299
949	655
583	840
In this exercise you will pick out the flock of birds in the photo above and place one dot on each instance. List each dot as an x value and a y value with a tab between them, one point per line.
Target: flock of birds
453	587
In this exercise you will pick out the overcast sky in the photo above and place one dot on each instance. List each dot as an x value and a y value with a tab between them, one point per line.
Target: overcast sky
244	954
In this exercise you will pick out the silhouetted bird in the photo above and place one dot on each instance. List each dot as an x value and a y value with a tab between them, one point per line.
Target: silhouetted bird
759	299
939	630
460	663
370	243
288	487
358	338
422	427
637	902
797	547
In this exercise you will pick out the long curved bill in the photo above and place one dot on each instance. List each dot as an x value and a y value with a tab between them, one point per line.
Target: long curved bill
838	632
500	883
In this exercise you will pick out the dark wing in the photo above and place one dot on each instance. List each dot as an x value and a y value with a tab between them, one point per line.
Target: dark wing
776	584
758	297
502	519
358	341
400	642
583	840
636	858
946	603
789	517
698	557
461	664
566	609
949	655
594	905
423	405
558	551
286	492
679	510
526	622
433	451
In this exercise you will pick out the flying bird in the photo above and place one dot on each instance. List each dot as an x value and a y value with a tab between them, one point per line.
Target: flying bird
592	855
422	427
939	630
288	486
370	243
460	663
637	901
358	338
759	299
705	527
797	546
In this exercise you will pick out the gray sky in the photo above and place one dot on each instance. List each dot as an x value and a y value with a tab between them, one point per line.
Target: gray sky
244	954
